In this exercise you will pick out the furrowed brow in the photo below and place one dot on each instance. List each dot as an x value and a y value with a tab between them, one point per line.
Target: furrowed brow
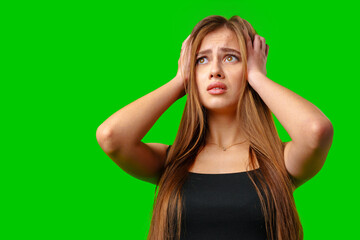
221	50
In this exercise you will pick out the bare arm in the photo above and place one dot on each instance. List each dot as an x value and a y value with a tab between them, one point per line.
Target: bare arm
121	134
130	124
310	130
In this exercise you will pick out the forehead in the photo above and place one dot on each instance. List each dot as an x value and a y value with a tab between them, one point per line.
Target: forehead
220	38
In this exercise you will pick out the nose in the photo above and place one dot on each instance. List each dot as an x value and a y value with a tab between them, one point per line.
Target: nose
216	71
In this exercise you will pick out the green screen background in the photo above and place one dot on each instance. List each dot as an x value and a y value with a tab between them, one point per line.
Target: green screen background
67	66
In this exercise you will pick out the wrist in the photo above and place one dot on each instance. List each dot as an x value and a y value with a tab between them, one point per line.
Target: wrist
179	84
254	75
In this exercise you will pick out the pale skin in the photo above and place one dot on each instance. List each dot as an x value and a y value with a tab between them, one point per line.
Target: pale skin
226	67
310	130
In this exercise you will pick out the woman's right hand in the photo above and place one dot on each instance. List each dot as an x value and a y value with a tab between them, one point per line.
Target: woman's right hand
183	72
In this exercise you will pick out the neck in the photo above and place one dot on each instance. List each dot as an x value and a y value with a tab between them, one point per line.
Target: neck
224	130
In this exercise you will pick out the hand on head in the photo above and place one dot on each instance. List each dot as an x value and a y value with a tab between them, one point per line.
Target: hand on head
257	54
184	61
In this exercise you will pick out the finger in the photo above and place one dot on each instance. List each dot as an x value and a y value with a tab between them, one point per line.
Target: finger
263	45
184	42
187	42
245	32
267	50
247	38
187	39
257	44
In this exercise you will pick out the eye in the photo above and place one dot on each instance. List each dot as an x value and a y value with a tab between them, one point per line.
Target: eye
199	60
230	56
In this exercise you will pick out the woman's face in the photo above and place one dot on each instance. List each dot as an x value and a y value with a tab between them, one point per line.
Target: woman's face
219	65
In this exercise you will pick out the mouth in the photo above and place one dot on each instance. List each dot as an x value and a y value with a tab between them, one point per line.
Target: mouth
217	86
217	91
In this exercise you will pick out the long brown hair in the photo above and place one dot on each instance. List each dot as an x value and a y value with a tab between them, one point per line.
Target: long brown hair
280	213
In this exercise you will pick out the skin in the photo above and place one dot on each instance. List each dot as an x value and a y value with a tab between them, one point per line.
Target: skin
226	67
310	130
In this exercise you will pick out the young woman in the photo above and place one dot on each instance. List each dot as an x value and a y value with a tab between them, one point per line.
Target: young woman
227	175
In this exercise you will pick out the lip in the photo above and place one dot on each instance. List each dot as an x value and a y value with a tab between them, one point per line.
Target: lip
217	84
216	91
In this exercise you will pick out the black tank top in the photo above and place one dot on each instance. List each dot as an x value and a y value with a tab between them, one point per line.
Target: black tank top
221	207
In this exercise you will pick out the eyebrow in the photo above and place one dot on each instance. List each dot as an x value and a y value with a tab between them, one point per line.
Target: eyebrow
221	50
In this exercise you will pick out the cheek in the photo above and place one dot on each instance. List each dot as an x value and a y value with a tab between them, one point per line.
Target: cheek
238	77
200	87
200	80
198	76
238	71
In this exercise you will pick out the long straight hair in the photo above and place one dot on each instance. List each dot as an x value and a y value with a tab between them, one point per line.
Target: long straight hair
278	206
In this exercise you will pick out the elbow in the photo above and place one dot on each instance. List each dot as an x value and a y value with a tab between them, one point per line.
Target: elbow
103	137
322	133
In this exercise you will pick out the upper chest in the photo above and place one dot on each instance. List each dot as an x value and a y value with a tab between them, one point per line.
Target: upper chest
215	160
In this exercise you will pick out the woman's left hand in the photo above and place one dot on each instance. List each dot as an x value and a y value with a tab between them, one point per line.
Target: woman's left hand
257	54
